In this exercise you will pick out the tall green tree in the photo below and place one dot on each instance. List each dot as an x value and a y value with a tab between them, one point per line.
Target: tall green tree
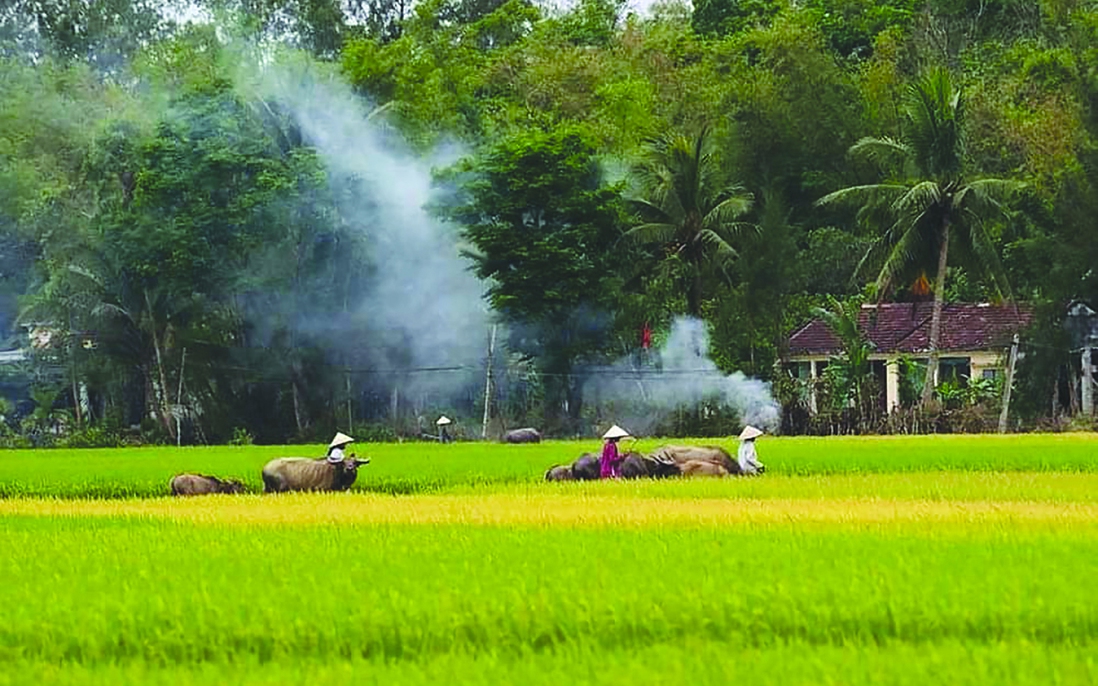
545	227
689	208
929	202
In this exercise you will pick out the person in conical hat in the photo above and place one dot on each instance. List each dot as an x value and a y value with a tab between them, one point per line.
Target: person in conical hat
746	456
443	434
335	448
610	462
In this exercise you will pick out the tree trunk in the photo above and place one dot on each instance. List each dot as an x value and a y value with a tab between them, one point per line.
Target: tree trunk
936	318
693	295
165	408
297	406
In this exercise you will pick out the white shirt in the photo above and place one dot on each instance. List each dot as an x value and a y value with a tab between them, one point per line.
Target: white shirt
749	461
335	454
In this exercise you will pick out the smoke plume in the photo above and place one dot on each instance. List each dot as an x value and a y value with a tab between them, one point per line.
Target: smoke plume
423	309
644	391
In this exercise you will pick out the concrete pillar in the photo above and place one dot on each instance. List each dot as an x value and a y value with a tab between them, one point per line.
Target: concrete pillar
892	384
812	386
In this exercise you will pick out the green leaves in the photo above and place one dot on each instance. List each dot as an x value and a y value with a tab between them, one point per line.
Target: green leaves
691	209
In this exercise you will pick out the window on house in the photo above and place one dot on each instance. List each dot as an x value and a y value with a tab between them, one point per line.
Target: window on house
801	370
991	374
954	369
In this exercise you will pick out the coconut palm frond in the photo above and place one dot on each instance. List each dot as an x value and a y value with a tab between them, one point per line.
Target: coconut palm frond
81	270
883	152
720	249
986	195
918	199
933	111
985	254
901	254
113	310
725	213
650	210
868	194
654	232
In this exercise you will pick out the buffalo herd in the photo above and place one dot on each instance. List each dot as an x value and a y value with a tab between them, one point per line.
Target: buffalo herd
670	460
306	474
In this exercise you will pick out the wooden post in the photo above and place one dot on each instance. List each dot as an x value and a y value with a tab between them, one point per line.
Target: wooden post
1009	384
1088	382
488	384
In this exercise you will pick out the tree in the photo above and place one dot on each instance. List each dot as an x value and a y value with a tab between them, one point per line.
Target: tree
104	33
690	209
726	17
928	203
850	373
545	228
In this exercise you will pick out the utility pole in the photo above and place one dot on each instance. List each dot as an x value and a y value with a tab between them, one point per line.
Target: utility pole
488	384
350	416
179	402
1088	382
1009	385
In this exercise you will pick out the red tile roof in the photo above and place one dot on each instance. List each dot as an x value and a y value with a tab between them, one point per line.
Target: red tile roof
905	328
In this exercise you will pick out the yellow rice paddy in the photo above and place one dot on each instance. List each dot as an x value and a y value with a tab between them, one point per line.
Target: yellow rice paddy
558	509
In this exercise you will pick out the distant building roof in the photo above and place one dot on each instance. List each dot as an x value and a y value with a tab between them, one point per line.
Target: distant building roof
905	328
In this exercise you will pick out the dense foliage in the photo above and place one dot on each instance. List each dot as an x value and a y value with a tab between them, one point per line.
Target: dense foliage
180	247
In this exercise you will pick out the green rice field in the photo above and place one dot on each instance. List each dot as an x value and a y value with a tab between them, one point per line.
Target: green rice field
909	560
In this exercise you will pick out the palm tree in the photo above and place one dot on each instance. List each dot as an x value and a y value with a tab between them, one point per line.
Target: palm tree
851	370
928	204
689	210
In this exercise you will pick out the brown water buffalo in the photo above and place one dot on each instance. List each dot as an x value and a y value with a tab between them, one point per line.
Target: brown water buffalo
680	454
702	468
527	435
306	474
200	484
637	466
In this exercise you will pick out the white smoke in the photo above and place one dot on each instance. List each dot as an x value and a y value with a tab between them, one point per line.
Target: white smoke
644	391
424	309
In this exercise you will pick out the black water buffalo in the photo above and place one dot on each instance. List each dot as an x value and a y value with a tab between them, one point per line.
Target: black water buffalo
681	454
306	474
560	473
200	484
527	435
586	468
637	466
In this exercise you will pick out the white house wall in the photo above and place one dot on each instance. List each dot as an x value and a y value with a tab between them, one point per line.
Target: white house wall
978	361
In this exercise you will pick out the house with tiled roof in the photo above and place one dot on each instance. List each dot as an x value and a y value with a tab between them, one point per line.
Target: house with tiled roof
975	341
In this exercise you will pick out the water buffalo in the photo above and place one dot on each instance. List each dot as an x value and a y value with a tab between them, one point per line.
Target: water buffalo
560	473
637	466
586	468
680	454
527	435
200	484
306	474
702	468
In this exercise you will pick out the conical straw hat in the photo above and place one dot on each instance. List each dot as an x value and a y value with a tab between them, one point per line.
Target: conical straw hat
750	432
615	432
340	439
443	420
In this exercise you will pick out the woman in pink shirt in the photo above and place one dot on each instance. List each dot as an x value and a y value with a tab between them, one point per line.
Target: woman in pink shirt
610	463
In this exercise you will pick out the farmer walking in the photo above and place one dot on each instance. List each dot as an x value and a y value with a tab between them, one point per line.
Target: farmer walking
610	463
